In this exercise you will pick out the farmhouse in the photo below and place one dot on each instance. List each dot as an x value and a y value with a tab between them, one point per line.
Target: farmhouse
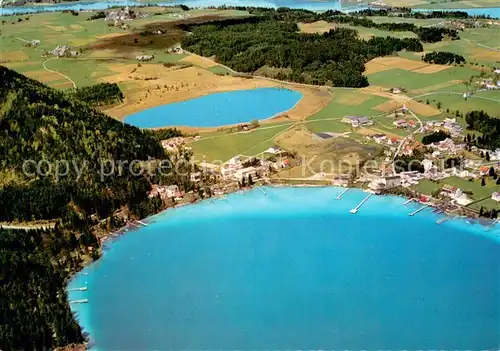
495	196
144	57
275	150
379	138
245	173
61	51
401	123
357	121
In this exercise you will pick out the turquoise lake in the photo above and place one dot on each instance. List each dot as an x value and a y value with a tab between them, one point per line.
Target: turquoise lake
218	109
293	270
313	5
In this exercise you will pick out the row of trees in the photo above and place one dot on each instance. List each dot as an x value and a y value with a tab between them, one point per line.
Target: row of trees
435	137
335	58
35	313
443	58
488	126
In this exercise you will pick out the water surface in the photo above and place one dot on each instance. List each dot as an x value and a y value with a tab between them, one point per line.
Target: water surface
294	270
218	109
313	5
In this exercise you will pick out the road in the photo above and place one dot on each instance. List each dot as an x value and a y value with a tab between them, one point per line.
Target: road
59	73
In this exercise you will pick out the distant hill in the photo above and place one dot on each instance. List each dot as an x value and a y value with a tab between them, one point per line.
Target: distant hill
44	128
40	126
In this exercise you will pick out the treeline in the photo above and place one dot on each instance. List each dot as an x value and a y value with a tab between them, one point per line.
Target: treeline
166	133
99	94
435	34
385	12
443	58
425	34
97	15
335	58
435	137
488	126
35	314
409	13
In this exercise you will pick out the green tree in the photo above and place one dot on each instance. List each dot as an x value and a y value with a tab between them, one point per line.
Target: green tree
483	182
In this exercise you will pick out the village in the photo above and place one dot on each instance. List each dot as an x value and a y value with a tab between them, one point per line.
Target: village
434	165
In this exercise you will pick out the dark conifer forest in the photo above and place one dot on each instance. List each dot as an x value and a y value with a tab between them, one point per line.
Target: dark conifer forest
273	40
41	129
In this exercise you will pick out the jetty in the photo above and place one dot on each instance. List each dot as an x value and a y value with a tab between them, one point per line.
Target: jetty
141	222
80	301
355	209
408	201
84	288
260	188
420	209
442	220
339	196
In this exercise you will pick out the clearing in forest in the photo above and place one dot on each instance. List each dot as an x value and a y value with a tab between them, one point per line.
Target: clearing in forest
316	27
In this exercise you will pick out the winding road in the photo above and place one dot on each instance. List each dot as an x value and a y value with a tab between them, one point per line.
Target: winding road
48	69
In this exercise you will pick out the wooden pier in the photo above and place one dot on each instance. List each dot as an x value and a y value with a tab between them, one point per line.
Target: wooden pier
142	223
84	288
339	196
80	301
260	188
417	211
356	209
408	201
442	220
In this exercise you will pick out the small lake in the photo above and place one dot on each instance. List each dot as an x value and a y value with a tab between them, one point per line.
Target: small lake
313	5
294	270
218	109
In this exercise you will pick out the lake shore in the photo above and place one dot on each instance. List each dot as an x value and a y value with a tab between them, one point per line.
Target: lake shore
162	216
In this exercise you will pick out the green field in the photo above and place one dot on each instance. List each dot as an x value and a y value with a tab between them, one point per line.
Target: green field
329	118
57	28
412	80
220	70
367	33
224	146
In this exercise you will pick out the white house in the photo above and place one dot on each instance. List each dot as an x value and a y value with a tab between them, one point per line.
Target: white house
495	196
379	138
356	121
274	150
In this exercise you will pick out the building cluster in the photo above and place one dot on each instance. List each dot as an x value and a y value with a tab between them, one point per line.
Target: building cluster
119	17
144	58
357	121
166	192
174	144
385	182
490	84
404	123
64	51
449	125
243	167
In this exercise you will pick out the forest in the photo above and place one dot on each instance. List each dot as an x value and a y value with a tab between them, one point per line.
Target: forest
62	160
99	94
35	313
443	58
435	137
335	58
488	126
